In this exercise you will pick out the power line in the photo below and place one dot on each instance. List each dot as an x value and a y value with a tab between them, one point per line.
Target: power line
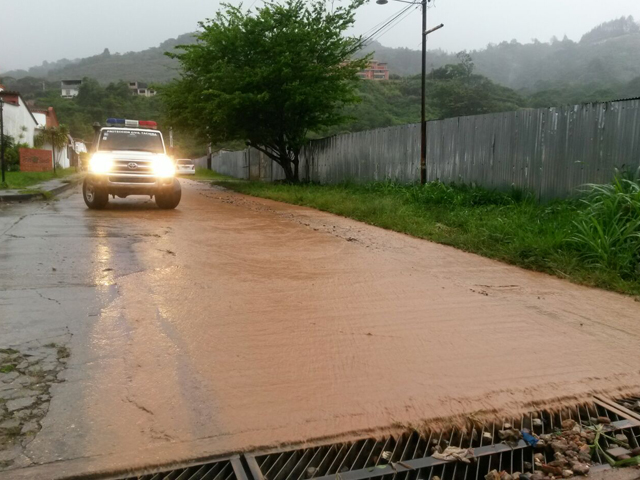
387	23
394	23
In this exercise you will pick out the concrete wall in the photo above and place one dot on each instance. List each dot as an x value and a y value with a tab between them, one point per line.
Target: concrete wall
549	151
15	118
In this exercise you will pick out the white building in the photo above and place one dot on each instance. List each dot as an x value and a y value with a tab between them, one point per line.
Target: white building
48	119
70	88
142	89
18	121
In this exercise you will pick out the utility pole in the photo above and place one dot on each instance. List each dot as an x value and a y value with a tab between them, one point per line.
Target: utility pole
423	107
2	136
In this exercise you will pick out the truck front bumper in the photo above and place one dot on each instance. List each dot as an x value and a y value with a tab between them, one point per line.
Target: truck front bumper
124	185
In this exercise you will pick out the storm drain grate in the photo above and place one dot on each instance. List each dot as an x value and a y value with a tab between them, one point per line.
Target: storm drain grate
409	456
221	470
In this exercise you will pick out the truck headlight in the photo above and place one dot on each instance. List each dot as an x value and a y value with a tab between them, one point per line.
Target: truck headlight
163	166
100	163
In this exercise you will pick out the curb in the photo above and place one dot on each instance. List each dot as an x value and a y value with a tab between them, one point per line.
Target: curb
22	197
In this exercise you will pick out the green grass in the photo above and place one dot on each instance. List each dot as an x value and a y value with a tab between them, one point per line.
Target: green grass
510	227
206	174
21	180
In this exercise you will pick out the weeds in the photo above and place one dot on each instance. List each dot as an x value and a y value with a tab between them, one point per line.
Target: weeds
608	229
508	226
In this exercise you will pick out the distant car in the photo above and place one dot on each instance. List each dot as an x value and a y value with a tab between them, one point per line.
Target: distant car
184	166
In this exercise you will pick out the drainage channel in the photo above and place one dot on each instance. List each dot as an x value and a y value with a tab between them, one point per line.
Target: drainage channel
425	456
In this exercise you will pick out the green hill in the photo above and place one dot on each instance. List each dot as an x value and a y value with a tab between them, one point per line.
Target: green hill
608	55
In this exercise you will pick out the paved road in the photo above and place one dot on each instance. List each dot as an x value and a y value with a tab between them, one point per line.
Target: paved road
234	323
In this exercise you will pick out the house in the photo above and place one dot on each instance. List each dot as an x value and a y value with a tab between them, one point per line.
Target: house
18	121
142	89
47	118
70	88
375	71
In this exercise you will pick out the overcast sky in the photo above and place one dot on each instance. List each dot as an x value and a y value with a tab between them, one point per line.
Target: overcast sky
37	30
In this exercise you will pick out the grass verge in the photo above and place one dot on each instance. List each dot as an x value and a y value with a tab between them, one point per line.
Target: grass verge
510	227
21	180
206	174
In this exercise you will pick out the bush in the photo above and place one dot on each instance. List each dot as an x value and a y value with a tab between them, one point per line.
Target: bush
607	233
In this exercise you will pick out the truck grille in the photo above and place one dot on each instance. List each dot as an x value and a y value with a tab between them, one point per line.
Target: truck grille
127	166
130	179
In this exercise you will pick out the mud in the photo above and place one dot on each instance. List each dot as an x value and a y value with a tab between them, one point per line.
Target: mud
236	323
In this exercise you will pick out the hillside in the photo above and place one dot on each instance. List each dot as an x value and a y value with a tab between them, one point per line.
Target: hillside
607	55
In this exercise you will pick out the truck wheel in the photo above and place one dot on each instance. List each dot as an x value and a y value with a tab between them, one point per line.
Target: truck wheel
170	198
95	198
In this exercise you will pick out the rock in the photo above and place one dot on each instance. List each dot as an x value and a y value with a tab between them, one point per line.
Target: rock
527	466
435	477
568	424
536	422
487	436
10	424
492	475
567	473
635	452
623	457
580	468
311	472
603	420
507	426
538	458
559	445
552	470
20	403
505	476
622	438
525	476
30	427
516	475
537	476
8	377
561	463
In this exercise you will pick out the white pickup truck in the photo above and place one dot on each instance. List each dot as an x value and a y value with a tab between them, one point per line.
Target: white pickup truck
129	158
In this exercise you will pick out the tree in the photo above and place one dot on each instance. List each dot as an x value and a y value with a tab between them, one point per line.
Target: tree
57	137
268	78
455	90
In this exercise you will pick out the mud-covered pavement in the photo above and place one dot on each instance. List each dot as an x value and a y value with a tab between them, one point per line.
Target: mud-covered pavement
235	323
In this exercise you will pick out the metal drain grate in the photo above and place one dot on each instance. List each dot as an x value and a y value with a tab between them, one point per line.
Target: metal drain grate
409	457
221	470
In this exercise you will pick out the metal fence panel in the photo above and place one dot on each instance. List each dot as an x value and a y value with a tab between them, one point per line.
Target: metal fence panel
549	151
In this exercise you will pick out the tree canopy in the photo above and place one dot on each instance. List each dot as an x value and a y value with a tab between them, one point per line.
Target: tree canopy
269	77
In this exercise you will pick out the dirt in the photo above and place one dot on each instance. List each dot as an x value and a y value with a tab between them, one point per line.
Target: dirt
242	323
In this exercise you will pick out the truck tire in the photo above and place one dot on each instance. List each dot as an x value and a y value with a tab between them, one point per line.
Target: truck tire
95	198
169	199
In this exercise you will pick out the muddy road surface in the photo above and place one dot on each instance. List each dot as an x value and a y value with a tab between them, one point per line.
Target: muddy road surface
234	323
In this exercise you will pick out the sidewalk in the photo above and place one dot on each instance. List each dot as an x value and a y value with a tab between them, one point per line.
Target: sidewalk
40	190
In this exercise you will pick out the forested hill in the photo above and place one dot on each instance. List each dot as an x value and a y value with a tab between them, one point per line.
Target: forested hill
150	65
607	56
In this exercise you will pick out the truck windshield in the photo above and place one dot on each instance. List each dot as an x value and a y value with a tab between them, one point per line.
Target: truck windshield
136	140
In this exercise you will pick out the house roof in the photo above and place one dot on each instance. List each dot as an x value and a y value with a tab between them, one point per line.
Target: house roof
14	99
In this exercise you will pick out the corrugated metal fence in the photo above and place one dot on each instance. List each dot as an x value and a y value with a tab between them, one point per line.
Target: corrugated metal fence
548	151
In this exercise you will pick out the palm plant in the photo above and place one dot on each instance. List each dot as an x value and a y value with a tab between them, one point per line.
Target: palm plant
57	137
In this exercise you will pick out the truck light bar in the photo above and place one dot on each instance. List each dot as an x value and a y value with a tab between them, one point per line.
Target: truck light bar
123	122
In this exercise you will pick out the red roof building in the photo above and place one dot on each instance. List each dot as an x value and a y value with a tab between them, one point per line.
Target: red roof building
376	71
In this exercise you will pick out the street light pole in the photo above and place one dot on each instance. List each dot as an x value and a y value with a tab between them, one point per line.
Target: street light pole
423	112
423	96
2	137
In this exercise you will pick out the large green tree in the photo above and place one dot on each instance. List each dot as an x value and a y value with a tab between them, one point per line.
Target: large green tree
268	78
